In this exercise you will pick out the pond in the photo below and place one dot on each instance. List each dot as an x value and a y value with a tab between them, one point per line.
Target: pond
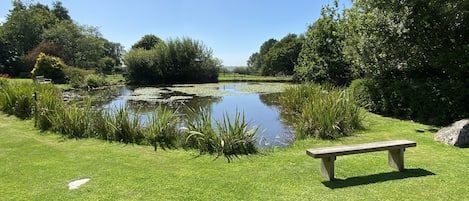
257	101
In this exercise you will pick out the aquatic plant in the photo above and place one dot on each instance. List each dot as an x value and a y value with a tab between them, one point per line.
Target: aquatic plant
231	138
161	128
324	112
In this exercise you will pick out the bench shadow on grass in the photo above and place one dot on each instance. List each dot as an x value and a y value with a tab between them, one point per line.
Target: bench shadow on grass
376	178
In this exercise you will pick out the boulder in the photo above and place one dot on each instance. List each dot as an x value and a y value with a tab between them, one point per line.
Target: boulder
457	134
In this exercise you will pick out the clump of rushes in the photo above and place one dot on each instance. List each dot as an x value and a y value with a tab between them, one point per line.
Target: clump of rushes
323	112
161	128
47	100
72	121
17	99
125	127
230	138
236	137
201	134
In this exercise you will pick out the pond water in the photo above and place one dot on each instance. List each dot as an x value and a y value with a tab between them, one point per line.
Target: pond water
257	101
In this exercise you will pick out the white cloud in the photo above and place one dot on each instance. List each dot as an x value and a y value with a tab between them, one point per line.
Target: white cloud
2	20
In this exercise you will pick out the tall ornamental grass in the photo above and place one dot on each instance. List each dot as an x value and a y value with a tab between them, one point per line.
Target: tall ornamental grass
323	112
72	121
47	101
125	126
231	137
17	99
162	128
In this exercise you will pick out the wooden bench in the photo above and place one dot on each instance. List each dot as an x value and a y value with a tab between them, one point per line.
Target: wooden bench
328	155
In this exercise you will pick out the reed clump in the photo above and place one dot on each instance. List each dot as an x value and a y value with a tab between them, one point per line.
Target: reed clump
323	112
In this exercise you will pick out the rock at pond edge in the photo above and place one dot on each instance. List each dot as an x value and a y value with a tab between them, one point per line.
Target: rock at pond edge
457	134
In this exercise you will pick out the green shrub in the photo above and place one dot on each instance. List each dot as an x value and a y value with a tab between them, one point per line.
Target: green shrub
50	67
430	101
175	61
76	76
94	81
323	112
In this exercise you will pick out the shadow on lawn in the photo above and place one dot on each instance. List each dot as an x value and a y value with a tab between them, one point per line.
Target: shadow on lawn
376	178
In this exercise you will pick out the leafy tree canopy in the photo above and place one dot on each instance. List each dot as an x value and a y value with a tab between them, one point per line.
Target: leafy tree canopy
147	42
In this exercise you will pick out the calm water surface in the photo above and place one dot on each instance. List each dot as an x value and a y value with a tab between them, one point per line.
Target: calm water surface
260	109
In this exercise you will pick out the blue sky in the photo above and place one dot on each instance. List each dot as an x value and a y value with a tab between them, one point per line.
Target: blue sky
233	29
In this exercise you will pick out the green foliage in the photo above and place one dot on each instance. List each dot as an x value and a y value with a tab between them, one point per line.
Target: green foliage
176	61
72	121
17	99
242	70
31	28
147	42
322	112
200	131
106	65
47	48
321	58
125	127
60	12
76	76
282	57
94	81
230	139
431	101
50	67
413	39
48	100
161	130
256	59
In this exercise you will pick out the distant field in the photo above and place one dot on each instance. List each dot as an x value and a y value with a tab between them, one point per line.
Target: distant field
225	77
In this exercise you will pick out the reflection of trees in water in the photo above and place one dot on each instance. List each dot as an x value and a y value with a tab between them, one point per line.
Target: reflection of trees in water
270	99
180	105
273	100
101	97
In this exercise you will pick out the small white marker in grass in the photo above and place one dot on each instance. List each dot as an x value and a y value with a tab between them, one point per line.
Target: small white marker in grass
77	183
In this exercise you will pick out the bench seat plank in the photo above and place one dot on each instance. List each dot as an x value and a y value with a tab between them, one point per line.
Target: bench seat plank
359	148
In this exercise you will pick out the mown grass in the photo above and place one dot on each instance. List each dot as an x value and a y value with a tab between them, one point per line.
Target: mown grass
38	166
229	77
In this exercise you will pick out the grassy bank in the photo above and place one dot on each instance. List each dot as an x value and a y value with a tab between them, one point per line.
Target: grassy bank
235	77
38	166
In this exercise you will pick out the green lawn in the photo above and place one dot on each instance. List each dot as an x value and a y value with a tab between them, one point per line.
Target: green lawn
38	166
228	77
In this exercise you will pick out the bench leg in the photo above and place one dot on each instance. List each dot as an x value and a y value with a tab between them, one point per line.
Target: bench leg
396	158
327	167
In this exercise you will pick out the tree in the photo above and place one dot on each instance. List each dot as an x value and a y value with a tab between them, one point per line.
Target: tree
321	58
147	42
282	57
60	12
23	28
256	59
48	48
408	39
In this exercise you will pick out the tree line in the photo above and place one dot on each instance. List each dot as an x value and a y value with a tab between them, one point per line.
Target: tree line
411	57
30	29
